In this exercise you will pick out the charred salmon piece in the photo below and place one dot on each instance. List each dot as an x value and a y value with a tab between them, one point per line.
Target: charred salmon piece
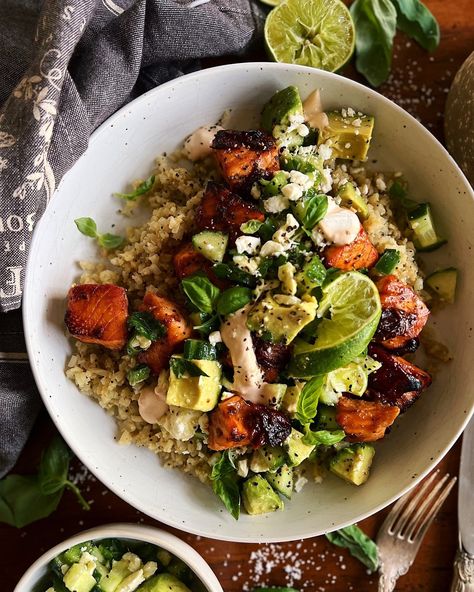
404	314
177	330
364	421
97	313
244	157
222	210
397	382
359	254
272	357
231	424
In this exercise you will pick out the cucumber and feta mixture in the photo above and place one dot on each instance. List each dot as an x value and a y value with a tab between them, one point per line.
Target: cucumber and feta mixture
119	565
281	352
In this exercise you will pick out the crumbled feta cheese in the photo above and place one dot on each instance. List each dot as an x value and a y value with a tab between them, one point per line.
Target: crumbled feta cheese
350	112
247	244
300	483
215	337
344	112
276	204
292	191
303	130
326	183
243	468
380	184
347	145
246	263
325	151
271	248
301	179
296	119
255	192
286	275
357	122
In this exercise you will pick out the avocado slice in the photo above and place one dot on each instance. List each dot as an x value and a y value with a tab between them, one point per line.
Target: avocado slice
259	497
282	480
352	198
296	449
267	458
278	112
78	578
353	463
348	136
196	392
282	316
164	582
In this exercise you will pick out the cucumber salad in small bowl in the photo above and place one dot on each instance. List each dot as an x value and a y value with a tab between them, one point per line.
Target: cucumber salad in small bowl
258	330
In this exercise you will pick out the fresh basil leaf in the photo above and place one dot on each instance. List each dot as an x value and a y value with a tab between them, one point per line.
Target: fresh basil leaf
359	545
267	229
307	405
110	241
86	226
180	367
145	324
208	326
311	209
315	271
227	271
138	374
140	190
225	483
322	437
416	21
251	226
233	299
375	24
201	292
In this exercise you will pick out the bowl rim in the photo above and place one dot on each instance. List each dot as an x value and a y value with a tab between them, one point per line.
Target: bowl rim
122	530
29	288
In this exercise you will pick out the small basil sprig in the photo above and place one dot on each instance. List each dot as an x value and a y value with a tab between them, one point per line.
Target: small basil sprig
88	227
25	499
145	324
414	19
138	374
225	483
322	437
359	545
180	367
201	292
233	299
307	405
143	188
251	226
311	209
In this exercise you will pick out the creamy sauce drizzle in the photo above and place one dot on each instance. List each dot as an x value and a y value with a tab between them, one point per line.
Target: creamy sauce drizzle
340	226
152	404
198	145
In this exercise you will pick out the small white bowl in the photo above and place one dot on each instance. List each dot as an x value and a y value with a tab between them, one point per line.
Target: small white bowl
146	534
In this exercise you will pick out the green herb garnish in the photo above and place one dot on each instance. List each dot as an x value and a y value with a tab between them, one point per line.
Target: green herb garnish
145	324
143	188
225	483
88	227
138	374
359	545
201	292
180	367
308	400
233	299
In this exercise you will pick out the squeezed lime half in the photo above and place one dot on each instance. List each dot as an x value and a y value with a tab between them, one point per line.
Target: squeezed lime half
318	33
271	2
350	311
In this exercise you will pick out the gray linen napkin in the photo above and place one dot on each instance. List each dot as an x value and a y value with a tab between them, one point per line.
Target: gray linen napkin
66	65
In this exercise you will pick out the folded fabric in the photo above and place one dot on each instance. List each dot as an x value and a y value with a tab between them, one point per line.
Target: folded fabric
66	66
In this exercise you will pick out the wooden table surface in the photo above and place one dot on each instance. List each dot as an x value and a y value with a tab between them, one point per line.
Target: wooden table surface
419	83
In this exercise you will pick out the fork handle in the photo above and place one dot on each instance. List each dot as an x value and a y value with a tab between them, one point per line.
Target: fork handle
463	579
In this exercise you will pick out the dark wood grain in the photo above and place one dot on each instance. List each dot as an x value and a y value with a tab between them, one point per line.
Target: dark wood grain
419	83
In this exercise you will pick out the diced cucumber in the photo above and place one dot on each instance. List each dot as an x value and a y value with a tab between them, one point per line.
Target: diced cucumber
326	418
211	245
398	192
352	198
388	261
267	458
443	283
73	554
120	570
296	449
273	186
422	224
100	572
79	579
353	463
196	349
282	480
304	160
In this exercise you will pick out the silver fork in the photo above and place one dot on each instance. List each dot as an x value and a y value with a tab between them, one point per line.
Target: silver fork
402	532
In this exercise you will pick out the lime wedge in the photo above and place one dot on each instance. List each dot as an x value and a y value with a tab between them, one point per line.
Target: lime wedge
318	33
351	311
271	2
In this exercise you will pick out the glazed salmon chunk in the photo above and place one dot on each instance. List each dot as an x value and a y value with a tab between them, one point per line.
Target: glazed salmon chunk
359	254
97	313
365	421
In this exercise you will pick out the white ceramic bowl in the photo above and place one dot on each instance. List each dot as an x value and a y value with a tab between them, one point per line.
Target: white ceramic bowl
135	532
123	149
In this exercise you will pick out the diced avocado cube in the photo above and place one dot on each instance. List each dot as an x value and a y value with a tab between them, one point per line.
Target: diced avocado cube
296	450
326	418
282	480
120	570
278	113
443	283
200	393
259	497
290	400
352	198
164	582
282	316
211	245
267	458
79	579
348	136
353	463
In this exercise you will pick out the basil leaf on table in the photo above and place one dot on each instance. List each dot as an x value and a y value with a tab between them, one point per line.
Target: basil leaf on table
225	484
201	292
145	324
323	437
307	405
358	544
375	24
143	188
180	367
416	21
233	299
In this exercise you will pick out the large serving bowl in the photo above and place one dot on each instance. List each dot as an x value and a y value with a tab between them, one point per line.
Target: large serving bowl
131	532
123	149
